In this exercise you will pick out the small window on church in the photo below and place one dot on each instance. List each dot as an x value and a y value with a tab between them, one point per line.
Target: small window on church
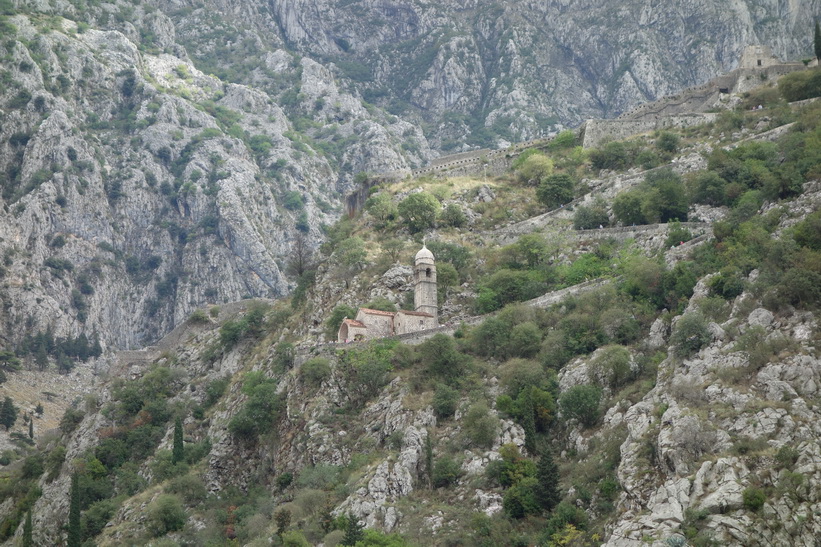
421	321
759	62
427	272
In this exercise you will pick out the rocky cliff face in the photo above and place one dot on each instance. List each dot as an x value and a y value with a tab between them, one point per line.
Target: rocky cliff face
126	150
136	188
482	73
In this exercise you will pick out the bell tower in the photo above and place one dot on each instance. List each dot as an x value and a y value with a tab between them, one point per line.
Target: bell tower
424	288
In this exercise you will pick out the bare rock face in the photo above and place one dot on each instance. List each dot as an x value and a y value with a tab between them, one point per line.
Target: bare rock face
141	189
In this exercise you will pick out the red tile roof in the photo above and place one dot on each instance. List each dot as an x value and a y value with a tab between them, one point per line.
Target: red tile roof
354	323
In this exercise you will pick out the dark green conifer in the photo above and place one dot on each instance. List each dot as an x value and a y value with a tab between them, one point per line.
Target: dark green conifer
528	419
31	428
817	41
8	413
75	535
353	532
178	451
547	473
27	531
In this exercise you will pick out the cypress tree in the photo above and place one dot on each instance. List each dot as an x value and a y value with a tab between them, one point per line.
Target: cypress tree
31	428
817	41
27	531
75	536
547	473
178	452
353	532
528	419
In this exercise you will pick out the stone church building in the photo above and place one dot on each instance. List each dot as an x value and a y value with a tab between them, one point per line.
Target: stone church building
370	324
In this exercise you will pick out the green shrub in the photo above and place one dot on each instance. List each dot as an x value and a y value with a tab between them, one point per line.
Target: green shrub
613	155
419	211
261	410
189	487
442	359
581	403
668	142
340	312
690	335
445	400
480	426
521	499
611	366
786	456
97	516
754	498
321	476
315	371
798	86
587	218
166	514
518	374
198	316
446	472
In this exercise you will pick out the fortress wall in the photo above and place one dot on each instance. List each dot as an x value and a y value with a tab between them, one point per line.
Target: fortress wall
597	131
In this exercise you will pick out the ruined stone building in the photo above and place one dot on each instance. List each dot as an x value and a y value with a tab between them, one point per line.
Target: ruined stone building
369	324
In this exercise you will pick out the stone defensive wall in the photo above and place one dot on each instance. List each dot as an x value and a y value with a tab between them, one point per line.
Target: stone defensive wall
627	232
598	131
684	109
480	162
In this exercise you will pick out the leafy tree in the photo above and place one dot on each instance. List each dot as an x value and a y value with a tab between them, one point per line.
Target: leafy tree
453	216
547	474
582	403
352	252
315	371
74	529
480	425
554	190
534	169
446	472
611	366
808	232
668	142
446	277
381	207
340	312
445	400
166	514
594	216
419	211
613	155
521	499
690	335
627	208
178	452
442	359
394	248
708	187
